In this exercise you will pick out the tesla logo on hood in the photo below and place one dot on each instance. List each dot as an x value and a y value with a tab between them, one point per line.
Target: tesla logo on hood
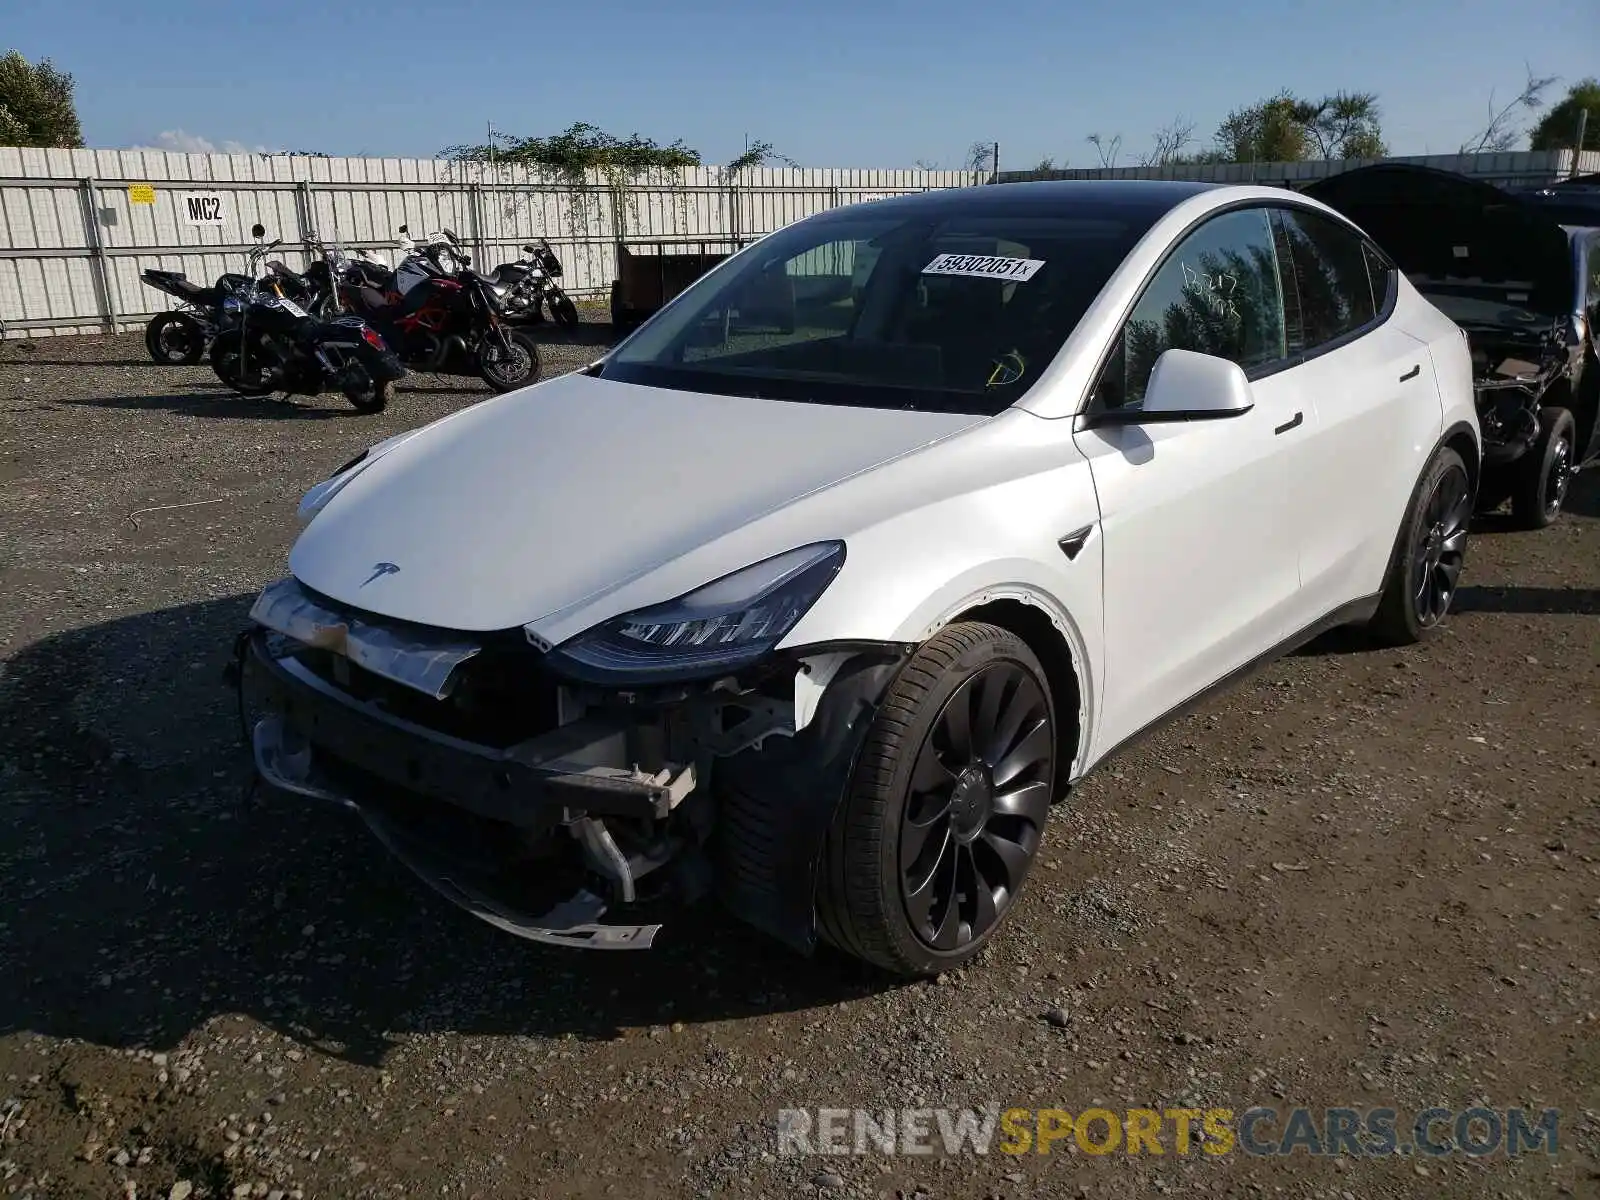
379	570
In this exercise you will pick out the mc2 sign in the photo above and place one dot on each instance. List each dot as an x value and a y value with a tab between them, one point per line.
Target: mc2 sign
201	208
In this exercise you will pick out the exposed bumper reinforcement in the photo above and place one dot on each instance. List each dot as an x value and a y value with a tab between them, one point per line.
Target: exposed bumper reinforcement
286	760
526	785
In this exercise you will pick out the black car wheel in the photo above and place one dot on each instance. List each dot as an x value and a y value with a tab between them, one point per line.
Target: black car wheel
946	806
175	339
1545	471
1427	561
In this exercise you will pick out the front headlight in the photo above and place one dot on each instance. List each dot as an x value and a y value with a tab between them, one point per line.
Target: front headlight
726	624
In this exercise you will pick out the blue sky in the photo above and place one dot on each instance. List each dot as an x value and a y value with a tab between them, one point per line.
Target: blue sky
848	83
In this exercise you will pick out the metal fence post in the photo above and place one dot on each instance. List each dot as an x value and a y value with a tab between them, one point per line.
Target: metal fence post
475	207
87	192
303	209
618	231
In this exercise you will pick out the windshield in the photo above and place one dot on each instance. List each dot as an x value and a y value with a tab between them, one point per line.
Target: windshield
941	311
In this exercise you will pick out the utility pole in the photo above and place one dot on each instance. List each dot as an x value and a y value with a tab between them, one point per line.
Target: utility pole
1577	146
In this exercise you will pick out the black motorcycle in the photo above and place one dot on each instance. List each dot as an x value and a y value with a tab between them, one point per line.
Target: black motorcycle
528	286
179	337
278	346
182	336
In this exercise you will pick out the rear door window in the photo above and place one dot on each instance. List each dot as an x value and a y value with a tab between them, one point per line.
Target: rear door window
1334	277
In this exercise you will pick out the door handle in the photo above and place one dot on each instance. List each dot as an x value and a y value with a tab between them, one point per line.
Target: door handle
1412	374
1288	425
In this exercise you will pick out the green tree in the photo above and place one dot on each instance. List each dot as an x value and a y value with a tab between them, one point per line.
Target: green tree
1558	128
1343	125
1268	131
36	106
1289	128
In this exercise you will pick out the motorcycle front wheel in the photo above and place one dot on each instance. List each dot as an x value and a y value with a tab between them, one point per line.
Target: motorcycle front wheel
175	339
508	372
562	310
249	375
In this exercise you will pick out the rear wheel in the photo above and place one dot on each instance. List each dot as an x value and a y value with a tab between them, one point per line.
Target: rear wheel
946	806
175	339
1432	550
369	396
1544	473
506	372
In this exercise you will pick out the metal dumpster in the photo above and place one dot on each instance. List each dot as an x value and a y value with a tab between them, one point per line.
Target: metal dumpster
652	270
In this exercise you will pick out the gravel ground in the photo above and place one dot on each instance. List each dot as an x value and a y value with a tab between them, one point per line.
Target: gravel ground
1362	878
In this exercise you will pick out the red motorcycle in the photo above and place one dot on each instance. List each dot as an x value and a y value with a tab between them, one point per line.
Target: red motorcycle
449	323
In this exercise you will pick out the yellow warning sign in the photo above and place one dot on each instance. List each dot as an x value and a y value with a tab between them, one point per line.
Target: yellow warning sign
141	193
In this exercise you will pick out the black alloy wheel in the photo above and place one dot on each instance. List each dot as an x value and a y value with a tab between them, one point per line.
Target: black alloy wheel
1441	546
1429	553
1545	471
979	797
946	804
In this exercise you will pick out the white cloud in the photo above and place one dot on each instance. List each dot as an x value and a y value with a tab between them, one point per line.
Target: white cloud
192	143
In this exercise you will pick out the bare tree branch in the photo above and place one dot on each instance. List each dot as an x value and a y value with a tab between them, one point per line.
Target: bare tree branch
1107	147
1504	130
980	157
1169	143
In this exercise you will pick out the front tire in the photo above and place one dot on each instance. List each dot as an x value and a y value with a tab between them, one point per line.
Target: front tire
946	806
228	360
1545	471
562	310
1431	552
508	373
175	339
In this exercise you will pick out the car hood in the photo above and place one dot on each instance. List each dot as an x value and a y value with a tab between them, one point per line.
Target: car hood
1442	229
541	500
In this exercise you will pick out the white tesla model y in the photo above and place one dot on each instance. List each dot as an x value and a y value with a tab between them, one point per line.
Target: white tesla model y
816	591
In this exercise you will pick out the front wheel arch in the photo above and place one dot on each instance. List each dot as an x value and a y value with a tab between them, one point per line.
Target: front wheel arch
1062	670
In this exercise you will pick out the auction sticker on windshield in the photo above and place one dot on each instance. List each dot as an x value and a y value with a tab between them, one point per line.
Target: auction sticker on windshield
984	266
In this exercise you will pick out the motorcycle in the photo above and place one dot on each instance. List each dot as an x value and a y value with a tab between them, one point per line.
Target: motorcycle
528	286
179	337
278	346
182	336
525	287
443	317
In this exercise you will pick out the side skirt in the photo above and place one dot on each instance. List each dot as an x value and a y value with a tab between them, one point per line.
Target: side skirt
1356	612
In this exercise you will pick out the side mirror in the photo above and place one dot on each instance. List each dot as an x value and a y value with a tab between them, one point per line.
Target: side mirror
1187	386
258	230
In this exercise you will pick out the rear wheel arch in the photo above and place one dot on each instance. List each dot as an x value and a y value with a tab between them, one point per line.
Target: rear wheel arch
1460	438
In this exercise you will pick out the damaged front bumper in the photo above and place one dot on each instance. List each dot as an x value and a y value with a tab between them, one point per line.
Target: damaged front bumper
313	741
600	812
